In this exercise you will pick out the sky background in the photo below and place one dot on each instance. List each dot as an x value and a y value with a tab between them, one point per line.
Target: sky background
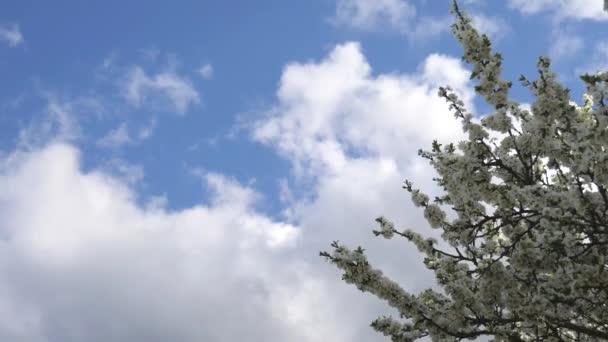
169	171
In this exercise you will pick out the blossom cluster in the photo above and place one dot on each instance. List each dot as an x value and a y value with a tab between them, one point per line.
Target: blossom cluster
536	268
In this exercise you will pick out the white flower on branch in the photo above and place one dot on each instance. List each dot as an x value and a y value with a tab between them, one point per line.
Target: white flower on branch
536	267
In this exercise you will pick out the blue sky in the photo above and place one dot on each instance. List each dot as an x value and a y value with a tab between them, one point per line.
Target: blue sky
172	169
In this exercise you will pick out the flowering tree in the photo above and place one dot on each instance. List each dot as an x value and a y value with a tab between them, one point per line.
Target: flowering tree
536	267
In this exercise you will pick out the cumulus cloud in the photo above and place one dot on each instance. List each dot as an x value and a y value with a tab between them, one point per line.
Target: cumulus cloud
11	35
574	9
328	108
84	258
355	135
83	261
139	87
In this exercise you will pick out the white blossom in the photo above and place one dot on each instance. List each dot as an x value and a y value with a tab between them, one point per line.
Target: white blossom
419	199
434	215
535	269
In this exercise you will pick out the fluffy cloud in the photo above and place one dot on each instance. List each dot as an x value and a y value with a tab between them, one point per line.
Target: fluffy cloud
355	135
11	35
575	9
83	258
139	87
82	261
329	108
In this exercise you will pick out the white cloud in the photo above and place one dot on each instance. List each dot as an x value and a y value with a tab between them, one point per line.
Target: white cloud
575	9
85	260
82	260
328	108
146	131
139	87
533	6
120	135
116	137
494	27
58	123
371	15
354	136
124	170
565	45
206	71
598	61
11	35
428	27
400	16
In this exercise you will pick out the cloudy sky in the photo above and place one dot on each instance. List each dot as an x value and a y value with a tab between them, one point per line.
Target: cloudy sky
169	171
